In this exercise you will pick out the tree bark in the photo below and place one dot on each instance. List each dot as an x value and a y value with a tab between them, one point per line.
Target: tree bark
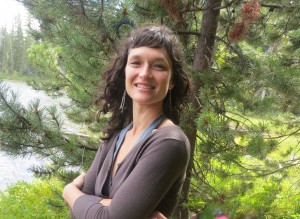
202	62
207	37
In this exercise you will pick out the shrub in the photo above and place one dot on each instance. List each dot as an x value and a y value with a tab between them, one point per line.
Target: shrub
39	199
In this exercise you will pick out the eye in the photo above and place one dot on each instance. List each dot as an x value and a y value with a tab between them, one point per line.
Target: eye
159	67
135	63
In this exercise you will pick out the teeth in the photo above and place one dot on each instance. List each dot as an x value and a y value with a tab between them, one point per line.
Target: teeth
144	87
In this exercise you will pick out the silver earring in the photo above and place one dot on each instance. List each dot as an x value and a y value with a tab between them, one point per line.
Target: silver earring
170	100
122	106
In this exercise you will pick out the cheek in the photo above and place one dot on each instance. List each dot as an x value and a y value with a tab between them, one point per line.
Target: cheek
128	77
126	71
127	74
165	86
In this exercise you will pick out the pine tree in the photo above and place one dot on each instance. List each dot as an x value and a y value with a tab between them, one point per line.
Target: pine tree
244	60
14	44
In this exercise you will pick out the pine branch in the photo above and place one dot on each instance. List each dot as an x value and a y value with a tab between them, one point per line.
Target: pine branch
272	6
203	179
268	172
239	53
227	5
3	100
188	33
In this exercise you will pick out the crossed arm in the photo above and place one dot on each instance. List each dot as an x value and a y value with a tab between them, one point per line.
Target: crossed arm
142	191
73	190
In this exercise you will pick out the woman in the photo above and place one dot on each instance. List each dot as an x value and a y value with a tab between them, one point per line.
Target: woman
140	167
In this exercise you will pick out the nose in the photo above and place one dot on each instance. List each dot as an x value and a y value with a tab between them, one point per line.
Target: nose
145	72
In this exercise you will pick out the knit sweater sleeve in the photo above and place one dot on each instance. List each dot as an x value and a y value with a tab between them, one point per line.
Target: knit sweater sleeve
91	174
156	171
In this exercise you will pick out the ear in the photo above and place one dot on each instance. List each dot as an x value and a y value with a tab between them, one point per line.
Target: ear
171	85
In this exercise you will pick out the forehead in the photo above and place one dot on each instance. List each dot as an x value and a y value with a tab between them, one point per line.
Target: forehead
148	52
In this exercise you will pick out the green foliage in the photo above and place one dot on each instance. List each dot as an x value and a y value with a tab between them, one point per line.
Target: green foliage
40	199
246	105
13	51
247	176
45	134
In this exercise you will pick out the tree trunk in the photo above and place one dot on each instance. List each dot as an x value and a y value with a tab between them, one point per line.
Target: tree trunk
202	62
206	39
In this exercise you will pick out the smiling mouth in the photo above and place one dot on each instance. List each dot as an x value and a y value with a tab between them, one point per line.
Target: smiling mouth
144	87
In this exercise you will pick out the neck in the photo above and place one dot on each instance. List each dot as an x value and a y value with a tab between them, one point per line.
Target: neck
143	117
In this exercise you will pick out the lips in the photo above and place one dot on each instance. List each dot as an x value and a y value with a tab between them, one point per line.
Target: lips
143	86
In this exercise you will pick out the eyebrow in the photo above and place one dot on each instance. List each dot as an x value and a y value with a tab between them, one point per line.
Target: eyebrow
163	59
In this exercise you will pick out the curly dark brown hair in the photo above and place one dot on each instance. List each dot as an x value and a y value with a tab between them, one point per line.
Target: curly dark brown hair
153	36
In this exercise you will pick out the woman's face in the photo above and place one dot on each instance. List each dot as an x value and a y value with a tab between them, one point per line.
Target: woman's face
148	75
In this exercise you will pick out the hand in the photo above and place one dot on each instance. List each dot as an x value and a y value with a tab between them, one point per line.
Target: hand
157	215
78	181
105	202
70	193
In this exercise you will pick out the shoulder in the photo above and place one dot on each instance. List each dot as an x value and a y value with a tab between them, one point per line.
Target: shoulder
109	141
107	144
172	137
171	132
170	144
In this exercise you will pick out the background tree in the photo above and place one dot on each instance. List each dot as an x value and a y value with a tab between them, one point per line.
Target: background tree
14	44
243	122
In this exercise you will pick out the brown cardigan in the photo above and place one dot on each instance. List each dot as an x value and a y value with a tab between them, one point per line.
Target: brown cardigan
148	179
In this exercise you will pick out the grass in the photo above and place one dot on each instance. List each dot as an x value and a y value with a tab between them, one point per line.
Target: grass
16	76
40	199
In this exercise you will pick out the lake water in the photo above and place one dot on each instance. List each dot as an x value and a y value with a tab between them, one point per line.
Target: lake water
14	169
